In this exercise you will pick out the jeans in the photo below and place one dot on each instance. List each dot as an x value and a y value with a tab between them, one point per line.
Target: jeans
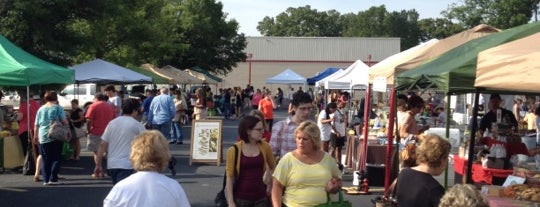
51	155
119	174
227	108
177	132
165	129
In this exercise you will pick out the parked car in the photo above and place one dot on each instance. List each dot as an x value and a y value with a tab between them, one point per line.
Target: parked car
83	92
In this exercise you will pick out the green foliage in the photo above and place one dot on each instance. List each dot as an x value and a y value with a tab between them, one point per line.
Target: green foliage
181	33
438	28
302	22
378	22
502	14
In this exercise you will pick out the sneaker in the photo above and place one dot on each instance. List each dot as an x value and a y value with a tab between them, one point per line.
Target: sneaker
172	142
45	184
55	183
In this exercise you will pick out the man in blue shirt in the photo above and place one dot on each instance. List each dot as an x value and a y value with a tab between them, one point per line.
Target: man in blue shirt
146	105
162	112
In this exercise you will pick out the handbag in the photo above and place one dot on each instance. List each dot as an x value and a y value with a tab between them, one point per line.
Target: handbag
58	131
221	199
340	203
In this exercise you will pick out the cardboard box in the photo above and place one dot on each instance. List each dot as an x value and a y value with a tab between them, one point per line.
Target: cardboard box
492	190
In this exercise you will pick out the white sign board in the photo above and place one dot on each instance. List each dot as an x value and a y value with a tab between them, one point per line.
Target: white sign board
379	84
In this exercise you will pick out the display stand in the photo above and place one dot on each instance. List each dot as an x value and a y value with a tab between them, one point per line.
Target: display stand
206	142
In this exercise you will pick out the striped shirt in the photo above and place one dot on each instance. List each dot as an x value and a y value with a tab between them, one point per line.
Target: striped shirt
282	139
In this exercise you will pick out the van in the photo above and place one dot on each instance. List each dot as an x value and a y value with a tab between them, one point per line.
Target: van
83	92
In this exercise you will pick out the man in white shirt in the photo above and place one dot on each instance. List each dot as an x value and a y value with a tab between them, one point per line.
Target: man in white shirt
116	141
114	99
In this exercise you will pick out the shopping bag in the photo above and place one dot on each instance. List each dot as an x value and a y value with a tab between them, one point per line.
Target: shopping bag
339	203
67	151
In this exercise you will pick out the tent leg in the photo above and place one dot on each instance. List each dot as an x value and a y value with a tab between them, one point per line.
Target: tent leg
472	140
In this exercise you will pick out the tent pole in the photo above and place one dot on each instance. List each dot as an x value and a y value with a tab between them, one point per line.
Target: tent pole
363	176
447	134
472	137
388	164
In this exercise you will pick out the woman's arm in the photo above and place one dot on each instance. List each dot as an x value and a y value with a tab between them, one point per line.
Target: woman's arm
229	191
277	192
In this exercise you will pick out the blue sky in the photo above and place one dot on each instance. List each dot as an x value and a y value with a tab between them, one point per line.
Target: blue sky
249	12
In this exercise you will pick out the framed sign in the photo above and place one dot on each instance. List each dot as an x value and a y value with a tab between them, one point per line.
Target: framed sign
206	141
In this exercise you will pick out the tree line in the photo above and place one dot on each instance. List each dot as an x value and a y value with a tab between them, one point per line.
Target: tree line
378	22
187	33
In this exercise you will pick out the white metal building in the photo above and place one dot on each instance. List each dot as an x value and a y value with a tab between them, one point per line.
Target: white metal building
306	56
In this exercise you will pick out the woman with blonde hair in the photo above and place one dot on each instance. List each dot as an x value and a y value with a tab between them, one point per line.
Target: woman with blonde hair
463	195
148	187
305	176
199	109
418	182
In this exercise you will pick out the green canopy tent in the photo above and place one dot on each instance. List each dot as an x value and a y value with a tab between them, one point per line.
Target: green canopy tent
455	72
20	68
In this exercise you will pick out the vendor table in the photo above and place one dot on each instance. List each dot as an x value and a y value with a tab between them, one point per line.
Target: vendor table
507	202
375	159
479	174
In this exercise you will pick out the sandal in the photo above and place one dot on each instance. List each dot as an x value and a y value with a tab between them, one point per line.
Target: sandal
36	179
98	176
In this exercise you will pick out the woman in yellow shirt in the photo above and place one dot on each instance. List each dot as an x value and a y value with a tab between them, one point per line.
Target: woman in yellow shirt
304	176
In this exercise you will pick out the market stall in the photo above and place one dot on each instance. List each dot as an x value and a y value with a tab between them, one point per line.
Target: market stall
20	68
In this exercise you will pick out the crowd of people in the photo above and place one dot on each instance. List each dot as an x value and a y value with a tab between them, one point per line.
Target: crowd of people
290	162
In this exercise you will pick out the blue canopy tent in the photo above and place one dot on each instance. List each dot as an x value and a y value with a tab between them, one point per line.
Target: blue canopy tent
321	75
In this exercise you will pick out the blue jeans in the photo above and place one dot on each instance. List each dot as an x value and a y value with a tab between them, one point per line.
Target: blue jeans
227	108
51	155
165	129
119	174
177	132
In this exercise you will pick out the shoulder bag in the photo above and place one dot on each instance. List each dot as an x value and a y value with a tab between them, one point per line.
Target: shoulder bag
57	130
221	199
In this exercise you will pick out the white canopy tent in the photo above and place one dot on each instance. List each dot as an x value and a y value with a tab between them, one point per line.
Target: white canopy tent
356	75
103	72
321	82
288	76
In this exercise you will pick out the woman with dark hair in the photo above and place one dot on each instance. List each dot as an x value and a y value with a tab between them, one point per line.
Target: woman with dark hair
408	128
254	157
324	122
50	149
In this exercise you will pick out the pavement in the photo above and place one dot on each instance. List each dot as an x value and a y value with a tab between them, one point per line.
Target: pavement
201	182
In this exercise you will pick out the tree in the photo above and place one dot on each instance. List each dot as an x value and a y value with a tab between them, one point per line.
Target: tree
213	42
378	22
37	26
438	28
302	22
496	13
182	33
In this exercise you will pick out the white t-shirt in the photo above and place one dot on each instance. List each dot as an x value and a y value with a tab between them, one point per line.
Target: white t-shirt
339	122
117	103
148	189
119	134
326	128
